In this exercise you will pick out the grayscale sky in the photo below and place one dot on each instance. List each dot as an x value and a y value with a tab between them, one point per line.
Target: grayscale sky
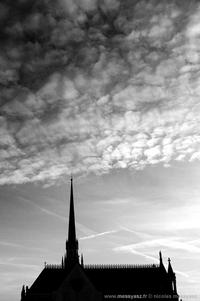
108	91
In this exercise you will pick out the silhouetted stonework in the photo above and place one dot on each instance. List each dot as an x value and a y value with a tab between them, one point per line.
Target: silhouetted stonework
74	281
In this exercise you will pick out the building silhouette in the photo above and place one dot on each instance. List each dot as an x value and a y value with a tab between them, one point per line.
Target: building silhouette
75	281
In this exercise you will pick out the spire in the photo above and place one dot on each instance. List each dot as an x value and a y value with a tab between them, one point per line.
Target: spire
71	257
71	229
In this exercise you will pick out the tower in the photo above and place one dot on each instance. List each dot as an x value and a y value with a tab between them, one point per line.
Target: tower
71	257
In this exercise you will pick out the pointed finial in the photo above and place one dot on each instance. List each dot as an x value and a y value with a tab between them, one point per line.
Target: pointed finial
160	258
161	262
23	293
82	263
62	263
170	270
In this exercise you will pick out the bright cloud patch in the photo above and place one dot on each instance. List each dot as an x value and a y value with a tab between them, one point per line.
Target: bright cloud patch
96	85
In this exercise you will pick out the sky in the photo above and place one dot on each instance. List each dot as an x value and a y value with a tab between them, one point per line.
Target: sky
107	91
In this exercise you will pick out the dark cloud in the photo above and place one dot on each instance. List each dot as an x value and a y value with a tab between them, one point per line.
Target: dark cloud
87	86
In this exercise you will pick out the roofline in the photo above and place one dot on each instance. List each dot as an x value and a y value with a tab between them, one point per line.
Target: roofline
120	266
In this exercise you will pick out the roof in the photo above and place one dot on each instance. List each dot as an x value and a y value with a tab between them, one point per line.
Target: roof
48	281
108	279
129	279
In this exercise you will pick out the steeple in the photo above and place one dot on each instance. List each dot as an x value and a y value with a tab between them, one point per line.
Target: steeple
72	256
71	229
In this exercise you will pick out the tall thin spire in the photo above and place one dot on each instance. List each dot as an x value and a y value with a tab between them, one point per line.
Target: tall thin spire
72	228
72	256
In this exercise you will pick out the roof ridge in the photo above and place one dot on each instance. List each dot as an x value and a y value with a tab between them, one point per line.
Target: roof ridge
119	266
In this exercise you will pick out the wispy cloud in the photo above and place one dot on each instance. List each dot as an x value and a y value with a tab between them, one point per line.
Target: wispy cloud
42	209
19	246
114	202
140	234
98	234
182	274
134	251
19	265
82	228
169	242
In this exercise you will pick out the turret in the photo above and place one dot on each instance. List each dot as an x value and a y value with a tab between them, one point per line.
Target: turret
172	276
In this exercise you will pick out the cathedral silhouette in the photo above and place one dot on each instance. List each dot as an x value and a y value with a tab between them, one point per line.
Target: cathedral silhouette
72	280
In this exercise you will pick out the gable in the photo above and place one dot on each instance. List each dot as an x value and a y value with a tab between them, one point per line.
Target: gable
49	280
77	286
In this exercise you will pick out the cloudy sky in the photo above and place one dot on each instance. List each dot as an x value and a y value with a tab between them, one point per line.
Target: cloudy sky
109	91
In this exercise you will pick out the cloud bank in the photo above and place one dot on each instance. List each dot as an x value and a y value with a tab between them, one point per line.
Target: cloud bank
90	86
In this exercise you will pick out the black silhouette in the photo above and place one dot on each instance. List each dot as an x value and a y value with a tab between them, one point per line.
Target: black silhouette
75	281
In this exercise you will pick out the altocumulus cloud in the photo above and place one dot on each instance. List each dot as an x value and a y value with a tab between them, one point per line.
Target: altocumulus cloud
88	86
